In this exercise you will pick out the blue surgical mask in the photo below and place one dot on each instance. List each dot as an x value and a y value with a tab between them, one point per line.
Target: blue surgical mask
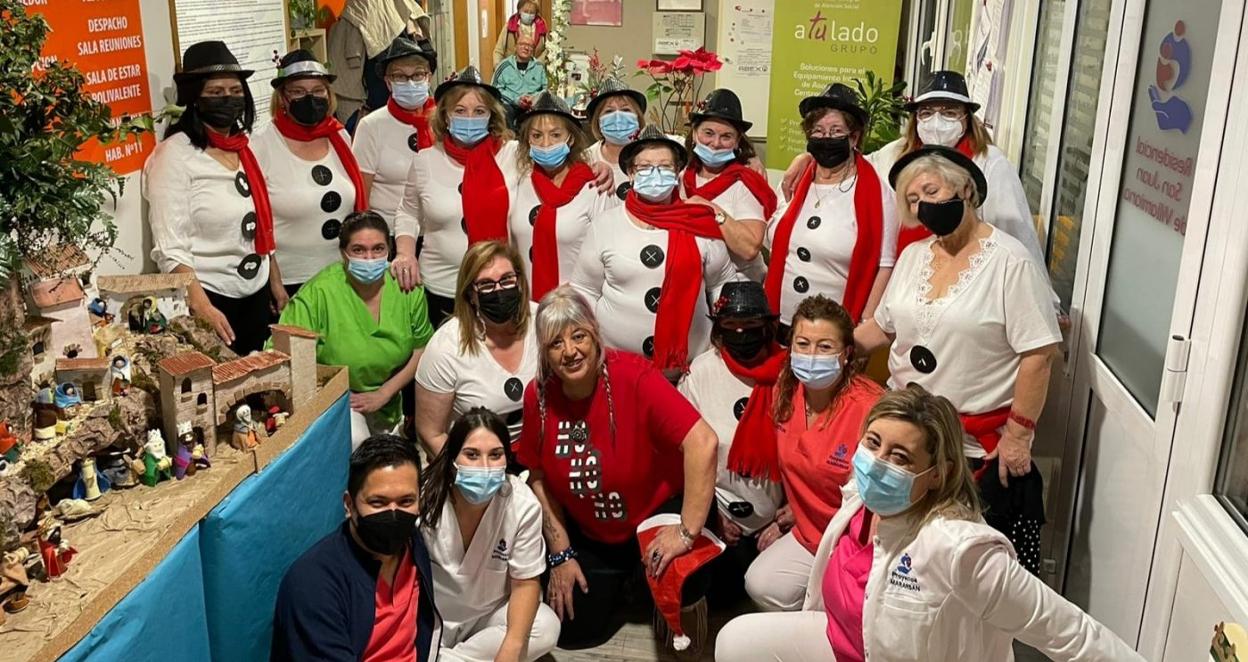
527	17
550	157
885	487
411	94
714	157
619	126
367	271
479	484
655	184
817	371
470	130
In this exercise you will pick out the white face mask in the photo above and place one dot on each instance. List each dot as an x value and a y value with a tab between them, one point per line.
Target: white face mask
937	130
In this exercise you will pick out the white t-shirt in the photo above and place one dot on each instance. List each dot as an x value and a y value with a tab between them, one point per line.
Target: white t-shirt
473	583
384	147
477	381
310	199
202	216
739	203
620	270
822	243
593	154
432	207
966	345
721	397
571	223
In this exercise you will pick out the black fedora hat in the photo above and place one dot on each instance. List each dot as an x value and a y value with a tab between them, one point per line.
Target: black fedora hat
957	158
837	96
300	63
650	137
945	86
613	87
549	104
741	298
721	104
208	58
470	75
403	47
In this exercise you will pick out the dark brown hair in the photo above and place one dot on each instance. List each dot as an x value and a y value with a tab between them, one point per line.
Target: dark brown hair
745	149
809	120
813	309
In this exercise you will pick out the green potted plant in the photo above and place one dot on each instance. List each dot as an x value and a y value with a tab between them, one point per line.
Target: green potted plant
885	104
302	15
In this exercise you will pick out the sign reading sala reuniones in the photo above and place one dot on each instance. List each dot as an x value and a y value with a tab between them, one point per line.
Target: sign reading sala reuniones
817	42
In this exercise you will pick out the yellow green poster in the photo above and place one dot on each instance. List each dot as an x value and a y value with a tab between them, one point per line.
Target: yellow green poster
817	42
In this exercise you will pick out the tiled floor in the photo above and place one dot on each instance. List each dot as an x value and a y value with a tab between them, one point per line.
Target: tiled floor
635	641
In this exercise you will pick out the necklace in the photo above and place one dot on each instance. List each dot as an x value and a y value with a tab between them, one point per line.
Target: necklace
844	186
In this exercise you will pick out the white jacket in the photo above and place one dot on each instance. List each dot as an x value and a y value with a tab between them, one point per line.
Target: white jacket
955	592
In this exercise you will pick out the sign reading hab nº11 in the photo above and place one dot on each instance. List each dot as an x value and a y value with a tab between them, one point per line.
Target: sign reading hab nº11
104	40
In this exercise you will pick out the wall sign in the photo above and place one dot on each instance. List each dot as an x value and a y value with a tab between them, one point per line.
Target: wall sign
104	40
678	31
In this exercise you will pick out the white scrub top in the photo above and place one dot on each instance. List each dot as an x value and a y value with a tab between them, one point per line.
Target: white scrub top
471	584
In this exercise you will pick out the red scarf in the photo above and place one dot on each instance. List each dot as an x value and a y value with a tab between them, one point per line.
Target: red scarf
864	262
753	451
545	242
238	143
539	27
417	119
735	172
907	236
682	277
332	129
483	191
985	428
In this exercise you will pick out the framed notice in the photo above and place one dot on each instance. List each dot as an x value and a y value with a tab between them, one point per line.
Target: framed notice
104	40
678	31
679	5
254	30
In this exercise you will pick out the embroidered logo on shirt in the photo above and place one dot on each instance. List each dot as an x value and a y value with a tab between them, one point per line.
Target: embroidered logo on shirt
500	552
901	576
838	458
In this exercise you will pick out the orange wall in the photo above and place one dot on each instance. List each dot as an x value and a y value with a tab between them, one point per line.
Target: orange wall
328	11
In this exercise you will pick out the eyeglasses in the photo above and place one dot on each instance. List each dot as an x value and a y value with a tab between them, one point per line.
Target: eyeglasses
648	170
954	114
414	78
486	286
834	133
299	93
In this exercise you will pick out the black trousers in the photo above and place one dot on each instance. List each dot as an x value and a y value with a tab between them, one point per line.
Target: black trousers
440	308
249	317
616	579
1016	511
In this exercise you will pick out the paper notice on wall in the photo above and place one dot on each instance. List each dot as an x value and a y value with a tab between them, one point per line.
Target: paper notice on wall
678	31
744	41
254	30
104	40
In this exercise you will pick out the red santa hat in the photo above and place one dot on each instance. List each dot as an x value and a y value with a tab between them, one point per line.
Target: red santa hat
667	588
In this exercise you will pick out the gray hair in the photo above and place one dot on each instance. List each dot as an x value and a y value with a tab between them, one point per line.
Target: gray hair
561	308
944	169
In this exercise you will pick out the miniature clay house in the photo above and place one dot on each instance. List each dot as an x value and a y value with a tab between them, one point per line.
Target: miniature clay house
90	375
121	292
42	358
194	389
53	284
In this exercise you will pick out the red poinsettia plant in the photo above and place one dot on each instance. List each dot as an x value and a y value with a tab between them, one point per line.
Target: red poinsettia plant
676	84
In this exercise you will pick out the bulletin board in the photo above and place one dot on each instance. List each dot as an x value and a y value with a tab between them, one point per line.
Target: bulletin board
254	30
744	39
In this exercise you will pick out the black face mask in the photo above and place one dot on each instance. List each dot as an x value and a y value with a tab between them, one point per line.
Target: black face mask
386	532
308	110
829	152
745	344
499	306
221	112
942	218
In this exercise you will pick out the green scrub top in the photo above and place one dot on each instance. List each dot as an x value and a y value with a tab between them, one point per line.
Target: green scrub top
372	351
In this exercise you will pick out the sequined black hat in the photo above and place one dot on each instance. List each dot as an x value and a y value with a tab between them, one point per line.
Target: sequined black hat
208	58
614	87
649	137
723	105
470	75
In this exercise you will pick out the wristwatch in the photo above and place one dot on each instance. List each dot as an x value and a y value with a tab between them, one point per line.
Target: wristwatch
720	217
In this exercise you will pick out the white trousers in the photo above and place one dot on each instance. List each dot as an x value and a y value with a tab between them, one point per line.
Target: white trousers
480	641
798	636
777	579
364	426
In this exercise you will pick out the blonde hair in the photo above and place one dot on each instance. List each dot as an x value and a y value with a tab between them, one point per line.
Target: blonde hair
578	142
561	308
955	496
276	101
478	257
947	171
600	108
441	121
976	134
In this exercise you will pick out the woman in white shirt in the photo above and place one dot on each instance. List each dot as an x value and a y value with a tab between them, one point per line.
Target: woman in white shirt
556	198
616	115
483	530
836	236
916	574
967	315
387	139
208	204
457	193
314	181
486	354
719	172
650	265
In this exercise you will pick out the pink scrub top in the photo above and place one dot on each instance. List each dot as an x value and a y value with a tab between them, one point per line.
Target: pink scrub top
845	588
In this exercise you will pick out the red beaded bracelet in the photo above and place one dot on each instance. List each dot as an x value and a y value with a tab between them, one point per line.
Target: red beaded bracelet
1027	423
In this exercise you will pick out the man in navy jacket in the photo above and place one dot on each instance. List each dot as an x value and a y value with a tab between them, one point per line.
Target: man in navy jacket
365	591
